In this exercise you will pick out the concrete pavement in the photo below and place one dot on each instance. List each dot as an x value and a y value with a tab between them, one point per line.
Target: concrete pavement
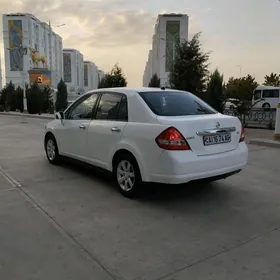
68	222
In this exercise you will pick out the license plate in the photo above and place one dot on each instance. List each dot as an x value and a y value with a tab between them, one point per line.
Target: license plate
216	139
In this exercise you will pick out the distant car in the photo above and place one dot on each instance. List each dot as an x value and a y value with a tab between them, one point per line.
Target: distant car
148	135
231	103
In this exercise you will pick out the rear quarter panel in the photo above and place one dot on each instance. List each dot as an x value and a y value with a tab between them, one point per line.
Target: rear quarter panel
139	139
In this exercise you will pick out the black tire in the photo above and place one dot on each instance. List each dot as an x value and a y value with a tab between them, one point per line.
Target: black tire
131	164
266	106
49	141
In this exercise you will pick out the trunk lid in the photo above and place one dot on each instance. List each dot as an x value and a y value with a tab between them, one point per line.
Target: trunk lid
207	134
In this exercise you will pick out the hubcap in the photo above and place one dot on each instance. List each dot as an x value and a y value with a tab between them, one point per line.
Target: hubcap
51	149
125	175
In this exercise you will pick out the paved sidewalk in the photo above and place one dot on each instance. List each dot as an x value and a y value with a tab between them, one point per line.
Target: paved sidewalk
18	114
261	137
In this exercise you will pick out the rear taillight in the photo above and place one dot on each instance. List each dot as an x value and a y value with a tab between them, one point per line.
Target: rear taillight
172	139
242	136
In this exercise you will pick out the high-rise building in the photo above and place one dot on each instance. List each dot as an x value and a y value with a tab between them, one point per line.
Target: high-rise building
73	69
1	77
168	31
22	34
91	76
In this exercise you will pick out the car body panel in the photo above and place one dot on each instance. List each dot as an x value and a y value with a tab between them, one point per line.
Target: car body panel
98	143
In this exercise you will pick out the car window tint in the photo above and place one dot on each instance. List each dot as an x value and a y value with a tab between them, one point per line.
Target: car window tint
176	103
123	111
108	106
83	110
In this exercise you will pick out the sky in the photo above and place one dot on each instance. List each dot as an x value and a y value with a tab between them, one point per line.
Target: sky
239	32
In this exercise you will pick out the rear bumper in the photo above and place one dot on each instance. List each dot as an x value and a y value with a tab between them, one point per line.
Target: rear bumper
177	167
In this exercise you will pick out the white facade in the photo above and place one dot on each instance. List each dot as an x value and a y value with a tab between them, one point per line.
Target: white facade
30	32
1	75
91	76
73	69
169	29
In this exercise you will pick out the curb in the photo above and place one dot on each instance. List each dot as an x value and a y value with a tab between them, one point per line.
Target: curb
28	115
265	142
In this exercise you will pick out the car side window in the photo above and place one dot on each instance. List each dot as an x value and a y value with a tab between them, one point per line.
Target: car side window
108	106
83	110
123	110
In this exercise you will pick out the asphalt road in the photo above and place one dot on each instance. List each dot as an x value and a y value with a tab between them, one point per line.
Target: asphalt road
67	222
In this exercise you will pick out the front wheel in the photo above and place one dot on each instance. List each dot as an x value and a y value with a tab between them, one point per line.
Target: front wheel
51	150
127	175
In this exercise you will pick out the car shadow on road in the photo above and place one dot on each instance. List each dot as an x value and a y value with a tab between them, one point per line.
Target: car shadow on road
151	192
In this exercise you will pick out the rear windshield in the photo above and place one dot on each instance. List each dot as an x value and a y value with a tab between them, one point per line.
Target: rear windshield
173	103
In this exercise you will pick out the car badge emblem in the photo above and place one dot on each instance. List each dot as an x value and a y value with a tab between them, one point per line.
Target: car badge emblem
218	125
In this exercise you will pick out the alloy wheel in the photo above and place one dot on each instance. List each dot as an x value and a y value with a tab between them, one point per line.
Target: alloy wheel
125	175
51	150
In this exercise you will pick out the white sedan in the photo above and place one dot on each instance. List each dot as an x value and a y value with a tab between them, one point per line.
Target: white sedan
148	135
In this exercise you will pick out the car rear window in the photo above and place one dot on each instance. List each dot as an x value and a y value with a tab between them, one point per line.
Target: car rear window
175	103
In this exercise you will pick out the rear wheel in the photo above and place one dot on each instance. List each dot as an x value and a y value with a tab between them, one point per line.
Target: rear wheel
266	106
127	175
51	149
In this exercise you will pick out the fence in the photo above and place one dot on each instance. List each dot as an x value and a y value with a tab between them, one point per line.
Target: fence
257	117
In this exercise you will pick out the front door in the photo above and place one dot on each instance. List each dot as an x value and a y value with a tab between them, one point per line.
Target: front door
106	129
73	135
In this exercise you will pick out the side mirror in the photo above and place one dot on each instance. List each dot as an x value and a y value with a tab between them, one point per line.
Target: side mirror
59	115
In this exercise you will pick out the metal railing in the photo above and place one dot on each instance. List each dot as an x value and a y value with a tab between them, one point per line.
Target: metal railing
256	117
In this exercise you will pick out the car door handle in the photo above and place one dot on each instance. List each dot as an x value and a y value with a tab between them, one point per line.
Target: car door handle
82	126
115	129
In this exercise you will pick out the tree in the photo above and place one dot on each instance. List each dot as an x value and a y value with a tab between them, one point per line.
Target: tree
34	99
113	79
3	99
47	100
215	91
11	97
272	80
155	81
19	98
242	90
61	97
190	68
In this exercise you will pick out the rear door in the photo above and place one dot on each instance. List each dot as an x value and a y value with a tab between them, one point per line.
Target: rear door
106	129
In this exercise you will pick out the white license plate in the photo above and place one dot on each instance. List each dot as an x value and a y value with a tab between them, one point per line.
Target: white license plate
216	139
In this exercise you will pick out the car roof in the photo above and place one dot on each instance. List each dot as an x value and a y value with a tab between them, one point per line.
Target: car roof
133	91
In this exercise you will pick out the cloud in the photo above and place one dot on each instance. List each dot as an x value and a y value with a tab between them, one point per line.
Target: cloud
105	31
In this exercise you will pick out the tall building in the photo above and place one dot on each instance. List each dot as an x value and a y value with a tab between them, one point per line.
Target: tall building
73	69
1	77
91	76
22	33
168	30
